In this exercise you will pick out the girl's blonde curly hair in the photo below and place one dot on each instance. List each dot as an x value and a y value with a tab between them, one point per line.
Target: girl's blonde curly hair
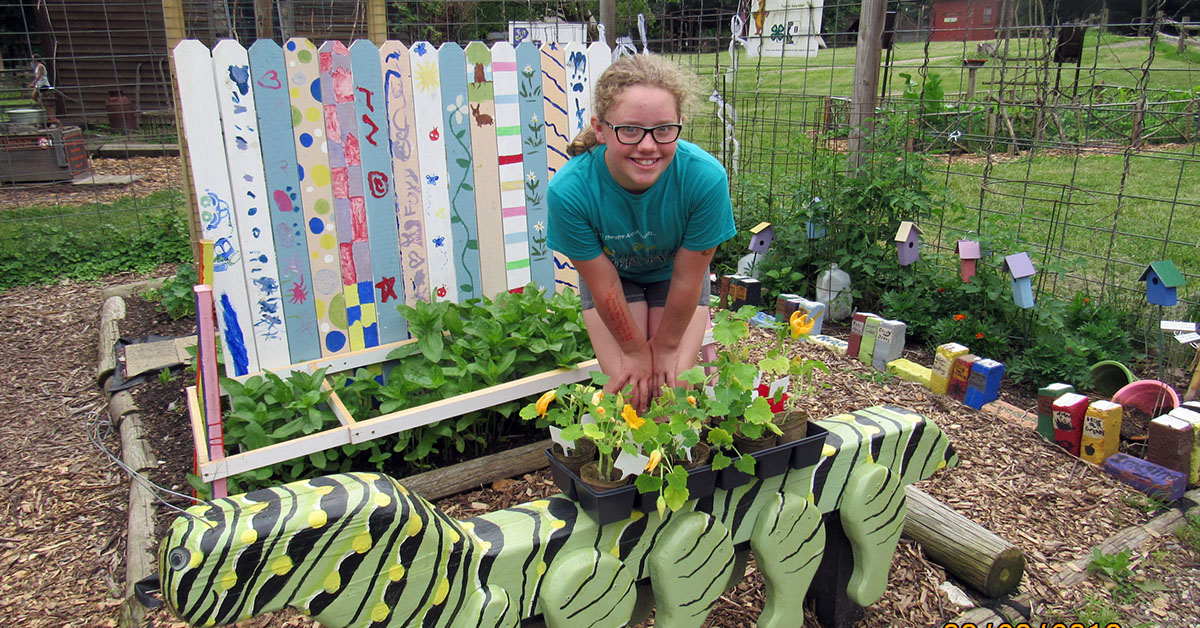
630	70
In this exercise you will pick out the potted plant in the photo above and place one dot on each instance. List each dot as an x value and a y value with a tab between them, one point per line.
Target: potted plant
564	410
678	468
798	373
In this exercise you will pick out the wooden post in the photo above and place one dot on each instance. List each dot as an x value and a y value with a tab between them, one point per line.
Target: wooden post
1181	45
377	21
264	19
866	78
173	20
608	17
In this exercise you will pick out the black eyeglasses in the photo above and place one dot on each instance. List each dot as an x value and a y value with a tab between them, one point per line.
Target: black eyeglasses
633	134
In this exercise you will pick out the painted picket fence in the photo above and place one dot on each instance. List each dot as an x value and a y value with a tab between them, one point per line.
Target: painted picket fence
336	182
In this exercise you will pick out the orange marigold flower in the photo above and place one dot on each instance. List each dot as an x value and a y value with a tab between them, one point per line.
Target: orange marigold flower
959	317
692	400
979	335
1087	300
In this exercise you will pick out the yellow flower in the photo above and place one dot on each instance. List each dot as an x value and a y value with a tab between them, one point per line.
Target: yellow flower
801	323
692	400
543	402
597	397
631	417
655	458
601	412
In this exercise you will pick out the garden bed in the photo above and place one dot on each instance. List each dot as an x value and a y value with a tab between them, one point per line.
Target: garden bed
1051	506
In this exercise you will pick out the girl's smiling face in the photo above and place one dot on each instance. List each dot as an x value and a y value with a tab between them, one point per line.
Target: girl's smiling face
636	167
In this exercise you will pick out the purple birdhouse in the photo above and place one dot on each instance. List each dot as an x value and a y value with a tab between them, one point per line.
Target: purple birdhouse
761	236
968	255
1162	280
1021	268
908	242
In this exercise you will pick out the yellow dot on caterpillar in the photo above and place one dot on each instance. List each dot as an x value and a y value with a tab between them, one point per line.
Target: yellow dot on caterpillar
414	525
828	451
395	573
443	589
541	567
380	612
635	515
540	503
871	429
615	551
454	537
467	525
484	546
281	565
362	542
382	499
332	582
558	524
317	518
941	464
400	489
226	581
196	559
323	489
870	458
249	535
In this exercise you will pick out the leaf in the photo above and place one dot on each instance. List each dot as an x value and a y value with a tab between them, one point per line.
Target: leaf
648	483
745	464
462	161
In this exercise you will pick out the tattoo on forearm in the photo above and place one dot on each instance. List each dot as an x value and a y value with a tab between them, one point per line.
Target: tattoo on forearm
622	327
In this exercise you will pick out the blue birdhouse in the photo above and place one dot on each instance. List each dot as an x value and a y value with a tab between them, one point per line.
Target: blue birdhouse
1021	268
908	242
1162	279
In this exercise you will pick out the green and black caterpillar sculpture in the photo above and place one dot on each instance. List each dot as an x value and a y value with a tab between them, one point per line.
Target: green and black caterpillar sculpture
359	550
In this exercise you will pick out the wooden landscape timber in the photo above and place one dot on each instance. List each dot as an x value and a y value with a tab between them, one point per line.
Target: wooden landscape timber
971	552
360	549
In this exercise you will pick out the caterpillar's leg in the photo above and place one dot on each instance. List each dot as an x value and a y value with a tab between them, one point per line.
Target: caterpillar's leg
490	607
689	568
872	514
587	588
788	541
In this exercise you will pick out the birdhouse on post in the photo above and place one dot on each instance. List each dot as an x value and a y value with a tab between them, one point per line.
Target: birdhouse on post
1162	279
908	242
761	236
968	255
1021	268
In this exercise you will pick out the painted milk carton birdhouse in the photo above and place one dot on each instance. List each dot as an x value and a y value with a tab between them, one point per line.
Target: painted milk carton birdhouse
761	236
968	255
1162	279
1021	269
908	242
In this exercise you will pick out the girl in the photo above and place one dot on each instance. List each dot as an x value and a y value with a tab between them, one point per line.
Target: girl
639	213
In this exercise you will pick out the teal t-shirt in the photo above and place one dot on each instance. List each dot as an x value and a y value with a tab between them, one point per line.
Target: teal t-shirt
688	207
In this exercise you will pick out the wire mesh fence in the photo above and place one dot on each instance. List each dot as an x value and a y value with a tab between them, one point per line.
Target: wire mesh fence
1073	135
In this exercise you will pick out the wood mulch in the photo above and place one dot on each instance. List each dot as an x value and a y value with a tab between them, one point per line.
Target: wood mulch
156	173
62	524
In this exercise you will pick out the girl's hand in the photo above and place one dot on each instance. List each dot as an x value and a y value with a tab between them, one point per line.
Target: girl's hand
634	370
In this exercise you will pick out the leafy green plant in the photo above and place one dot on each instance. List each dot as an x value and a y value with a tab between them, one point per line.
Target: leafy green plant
165	376
177	296
1117	569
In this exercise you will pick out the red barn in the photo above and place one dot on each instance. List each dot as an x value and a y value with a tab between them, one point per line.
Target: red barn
965	20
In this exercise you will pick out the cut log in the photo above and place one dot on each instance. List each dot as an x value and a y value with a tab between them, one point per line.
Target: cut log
473	474
966	549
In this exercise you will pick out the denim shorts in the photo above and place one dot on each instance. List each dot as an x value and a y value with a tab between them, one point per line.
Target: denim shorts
654	294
